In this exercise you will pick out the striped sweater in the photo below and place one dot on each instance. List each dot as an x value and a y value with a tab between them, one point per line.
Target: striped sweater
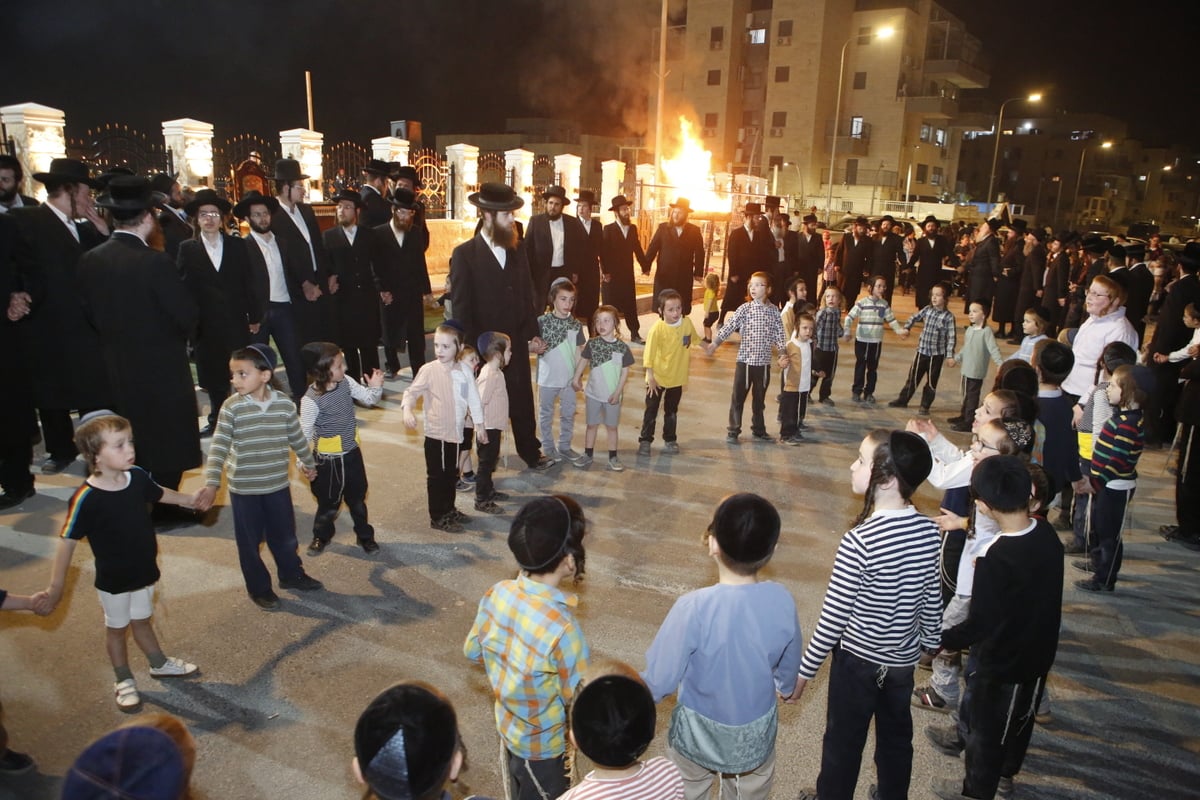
252	444
872	314
884	599
1117	449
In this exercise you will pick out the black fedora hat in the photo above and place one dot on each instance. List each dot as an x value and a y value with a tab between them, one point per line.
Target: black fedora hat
496	197
402	198
620	201
771	201
254	198
1190	257
1096	245
587	196
929	219
683	203
556	191
753	208
288	170
378	166
348	195
103	178
66	170
207	197
163	181
1019	225
130	193
994	224
408	173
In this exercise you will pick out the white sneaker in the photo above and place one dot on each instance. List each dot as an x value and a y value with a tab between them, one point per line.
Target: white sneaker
569	455
174	668
128	699
615	464
552	455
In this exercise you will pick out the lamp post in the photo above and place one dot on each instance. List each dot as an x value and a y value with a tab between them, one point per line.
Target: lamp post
1079	176
908	180
882	33
1166	168
1033	98
799	177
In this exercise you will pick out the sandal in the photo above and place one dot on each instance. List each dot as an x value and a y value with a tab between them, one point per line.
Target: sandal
927	697
128	699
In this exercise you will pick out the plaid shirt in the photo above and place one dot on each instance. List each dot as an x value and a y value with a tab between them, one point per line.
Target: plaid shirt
761	327
938	336
828	328
871	314
527	639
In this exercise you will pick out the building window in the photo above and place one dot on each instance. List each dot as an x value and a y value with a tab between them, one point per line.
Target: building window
751	117
864	35
775	162
852	171
936	178
714	77
757	35
860	80
782	74
779	119
716	38
939	137
785	27
710	120
926	132
922	173
856	127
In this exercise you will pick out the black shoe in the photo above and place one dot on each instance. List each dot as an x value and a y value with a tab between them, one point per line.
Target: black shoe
1014	340
1072	549
856	397
762	437
13	499
499	497
923	411
827	401
1168	532
302	582
53	466
369	545
635	339
317	547
268	601
1083	565
961	427
14	763
206	432
898	403
946	740
955	420
1092	585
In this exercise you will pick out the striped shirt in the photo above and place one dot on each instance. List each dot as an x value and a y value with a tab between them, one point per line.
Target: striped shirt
656	779
761	328
884	600
872	314
328	420
1118	448
938	335
533	650
253	442
828	329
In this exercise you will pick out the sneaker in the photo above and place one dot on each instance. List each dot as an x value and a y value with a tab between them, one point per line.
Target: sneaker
267	602
317	546
827	401
643	448
1168	532
550	454
458	516
569	455
369	546
128	699
946	740
463	486
1092	585
469	477
446	524
898	403
499	497
731	438
584	461
856	397
762	437
488	507
615	465
1005	787
302	582
14	763
927	697
635	339
542	464
671	448
807	794
868	398
1083	565
174	668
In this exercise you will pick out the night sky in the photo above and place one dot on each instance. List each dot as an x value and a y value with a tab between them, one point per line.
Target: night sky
465	66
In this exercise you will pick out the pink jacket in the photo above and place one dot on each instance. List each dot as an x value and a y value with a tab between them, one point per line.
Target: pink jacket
445	409
493	393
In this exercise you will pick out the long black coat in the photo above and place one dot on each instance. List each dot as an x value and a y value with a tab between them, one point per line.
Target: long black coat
746	256
227	301
982	271
62	348
812	259
1057	287
1033	275
375	211
680	260
16	400
401	271
857	259
313	319
539	247
587	299
136	301
1141	286
928	256
1012	264
617	255
889	256
356	304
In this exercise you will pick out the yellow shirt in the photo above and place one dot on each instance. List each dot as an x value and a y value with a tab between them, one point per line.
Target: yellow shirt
668	352
710	301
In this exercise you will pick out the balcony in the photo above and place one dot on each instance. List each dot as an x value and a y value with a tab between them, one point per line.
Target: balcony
853	137
932	107
961	73
861	177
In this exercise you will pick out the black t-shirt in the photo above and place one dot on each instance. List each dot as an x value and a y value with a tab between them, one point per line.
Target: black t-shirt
117	526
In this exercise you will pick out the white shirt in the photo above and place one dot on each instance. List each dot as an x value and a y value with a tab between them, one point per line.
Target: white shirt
16	203
271	254
399	234
624	229
499	252
350	232
587	225
557	259
214	249
70	223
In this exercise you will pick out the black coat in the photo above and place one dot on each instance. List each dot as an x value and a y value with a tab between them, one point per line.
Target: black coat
63	350
375	211
928	259
401	270
1057	286
983	270
175	231
1012	264
1170	333
680	260
135	299
617	255
747	256
1033	275
857	259
356	304
227	301
588	297
488	297
1141	286
539	247
312	317
889	256
16	400
811	253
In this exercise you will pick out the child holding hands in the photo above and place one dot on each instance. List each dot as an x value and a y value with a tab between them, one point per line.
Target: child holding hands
935	346
872	313
666	359
610	360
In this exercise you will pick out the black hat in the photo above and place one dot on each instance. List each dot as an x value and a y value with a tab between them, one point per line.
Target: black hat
994	224
1097	245
1117	251
619	201
1190	257
139	763
1037	233
683	203
287	170
1019	225
378	167
887	218
929	219
866	223
66	170
1135	250
496	197
771	201
402	198
911	456
612	718
556	191
207	197
163	182
587	196
746	527
254	198
348	195
753	208
130	193
408	173
103	178
810	218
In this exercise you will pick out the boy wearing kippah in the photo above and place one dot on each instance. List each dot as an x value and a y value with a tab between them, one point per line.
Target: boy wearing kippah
727	652
612	723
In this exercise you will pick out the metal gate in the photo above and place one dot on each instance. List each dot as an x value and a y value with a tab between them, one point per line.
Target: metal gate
118	145
437	177
493	169
232	152
543	177
343	165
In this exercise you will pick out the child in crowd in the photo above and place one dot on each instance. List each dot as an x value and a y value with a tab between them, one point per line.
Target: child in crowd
610	360
881	610
448	387
327	419
797	379
872	313
110	510
761	329
556	371
1060	451
712	306
137	761
527	639
496	348
797	303
257	430
979	343
1033	325
726	651
666	359
935	346
1191	319
612	723
466	475
407	744
1012	629
827	333
1114	474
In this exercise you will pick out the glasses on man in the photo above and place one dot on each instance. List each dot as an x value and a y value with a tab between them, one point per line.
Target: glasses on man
210	215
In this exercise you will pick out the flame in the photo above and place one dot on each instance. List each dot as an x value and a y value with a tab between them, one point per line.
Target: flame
690	172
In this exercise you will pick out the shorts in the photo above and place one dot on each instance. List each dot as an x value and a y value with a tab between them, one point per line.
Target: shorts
119	609
600	413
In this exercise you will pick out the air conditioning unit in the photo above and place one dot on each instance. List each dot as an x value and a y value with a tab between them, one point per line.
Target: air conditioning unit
708	133
776	132
784	40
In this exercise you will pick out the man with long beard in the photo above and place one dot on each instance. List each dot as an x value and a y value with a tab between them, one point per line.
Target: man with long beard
492	290
621	246
556	244
11	175
398	259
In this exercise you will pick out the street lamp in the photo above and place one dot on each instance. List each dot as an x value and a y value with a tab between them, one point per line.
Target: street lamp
882	33
799	176
1033	98
1079	177
908	180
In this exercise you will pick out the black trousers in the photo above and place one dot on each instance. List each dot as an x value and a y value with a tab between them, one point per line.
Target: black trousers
866	366
1001	725
1187	482
441	476
361	361
668	398
971	389
405	324
860	691
825	361
792	408
923	367
16	436
58	433
489	457
341	479
280	322
519	385
541	779
1108	520
753	381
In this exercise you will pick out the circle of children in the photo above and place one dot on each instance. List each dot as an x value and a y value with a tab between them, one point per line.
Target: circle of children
983	577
